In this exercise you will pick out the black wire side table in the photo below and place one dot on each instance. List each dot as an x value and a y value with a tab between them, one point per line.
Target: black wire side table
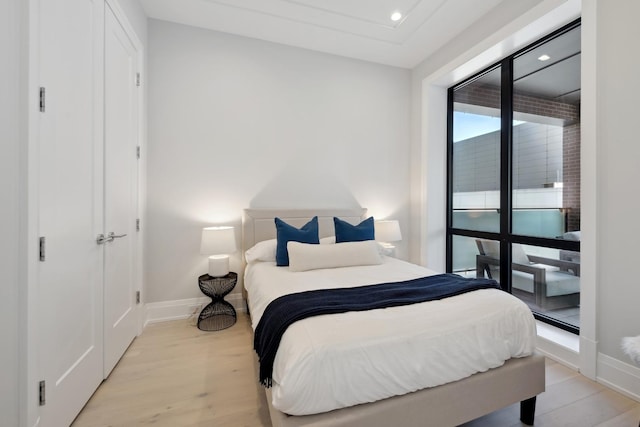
218	314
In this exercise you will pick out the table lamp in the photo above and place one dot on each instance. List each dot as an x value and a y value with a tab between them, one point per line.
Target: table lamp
218	243
387	231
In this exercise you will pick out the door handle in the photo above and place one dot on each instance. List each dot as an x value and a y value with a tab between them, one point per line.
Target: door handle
101	240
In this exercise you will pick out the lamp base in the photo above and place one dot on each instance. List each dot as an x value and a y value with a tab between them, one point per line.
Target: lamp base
218	265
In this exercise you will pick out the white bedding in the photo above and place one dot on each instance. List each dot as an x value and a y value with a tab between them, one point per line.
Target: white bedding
333	361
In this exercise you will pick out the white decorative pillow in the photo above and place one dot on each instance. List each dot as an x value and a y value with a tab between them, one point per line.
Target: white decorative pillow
304	256
262	251
328	240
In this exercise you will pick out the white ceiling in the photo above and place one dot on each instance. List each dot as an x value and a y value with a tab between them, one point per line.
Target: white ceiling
359	29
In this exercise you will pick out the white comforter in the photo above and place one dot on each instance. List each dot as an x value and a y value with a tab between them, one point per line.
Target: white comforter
334	361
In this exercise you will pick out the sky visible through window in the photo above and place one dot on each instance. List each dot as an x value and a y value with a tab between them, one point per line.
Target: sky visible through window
468	125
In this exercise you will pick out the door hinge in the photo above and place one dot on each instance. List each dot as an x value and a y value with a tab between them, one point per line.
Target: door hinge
41	393
42	99
42	248
137	297
138	224
138	79
138	152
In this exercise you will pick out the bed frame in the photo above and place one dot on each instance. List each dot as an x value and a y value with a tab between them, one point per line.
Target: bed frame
518	380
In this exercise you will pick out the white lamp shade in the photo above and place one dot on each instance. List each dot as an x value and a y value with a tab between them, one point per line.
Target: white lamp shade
218	242
388	231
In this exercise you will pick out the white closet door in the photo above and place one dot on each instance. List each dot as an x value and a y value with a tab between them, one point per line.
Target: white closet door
70	205
121	131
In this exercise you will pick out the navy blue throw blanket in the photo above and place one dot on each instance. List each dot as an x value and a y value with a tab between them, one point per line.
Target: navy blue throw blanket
287	309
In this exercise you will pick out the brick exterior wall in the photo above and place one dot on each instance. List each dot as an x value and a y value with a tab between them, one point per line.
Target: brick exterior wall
481	94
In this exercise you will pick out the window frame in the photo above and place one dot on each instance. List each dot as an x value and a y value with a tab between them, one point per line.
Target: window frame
505	235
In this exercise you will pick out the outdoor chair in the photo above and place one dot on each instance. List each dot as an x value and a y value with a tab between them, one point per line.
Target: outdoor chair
547	282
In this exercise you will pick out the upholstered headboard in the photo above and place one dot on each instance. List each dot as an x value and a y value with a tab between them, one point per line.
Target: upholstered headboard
259	225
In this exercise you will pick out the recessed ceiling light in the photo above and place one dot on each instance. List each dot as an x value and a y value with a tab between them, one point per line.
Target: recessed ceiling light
396	16
544	57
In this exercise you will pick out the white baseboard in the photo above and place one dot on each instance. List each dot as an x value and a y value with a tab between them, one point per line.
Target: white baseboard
559	353
619	376
558	345
184	308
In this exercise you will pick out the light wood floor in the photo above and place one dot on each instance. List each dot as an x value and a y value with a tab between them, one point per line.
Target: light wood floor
176	375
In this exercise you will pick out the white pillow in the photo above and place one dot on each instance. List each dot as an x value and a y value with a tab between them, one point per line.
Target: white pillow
262	251
305	256
332	240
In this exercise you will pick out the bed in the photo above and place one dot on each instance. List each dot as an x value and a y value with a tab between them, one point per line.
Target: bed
450	397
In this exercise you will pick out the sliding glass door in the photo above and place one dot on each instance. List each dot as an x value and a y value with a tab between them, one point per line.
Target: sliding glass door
514	176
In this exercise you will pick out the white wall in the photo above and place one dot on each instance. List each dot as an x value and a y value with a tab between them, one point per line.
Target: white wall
236	122
10	209
618	145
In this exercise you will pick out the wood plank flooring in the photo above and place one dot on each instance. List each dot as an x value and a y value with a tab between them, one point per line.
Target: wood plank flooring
176	375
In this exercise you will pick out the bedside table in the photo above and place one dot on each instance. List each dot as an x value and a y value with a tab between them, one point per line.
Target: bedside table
218	314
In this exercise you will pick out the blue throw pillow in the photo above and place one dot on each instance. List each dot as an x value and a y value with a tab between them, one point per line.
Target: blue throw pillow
286	233
346	232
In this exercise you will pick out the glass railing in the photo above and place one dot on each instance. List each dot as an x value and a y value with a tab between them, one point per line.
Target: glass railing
546	279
